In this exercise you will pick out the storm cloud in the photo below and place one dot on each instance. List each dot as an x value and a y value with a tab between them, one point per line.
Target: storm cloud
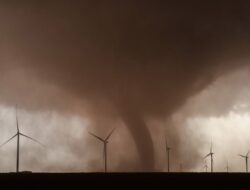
119	60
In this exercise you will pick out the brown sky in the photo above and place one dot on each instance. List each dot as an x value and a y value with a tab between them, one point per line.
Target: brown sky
121	60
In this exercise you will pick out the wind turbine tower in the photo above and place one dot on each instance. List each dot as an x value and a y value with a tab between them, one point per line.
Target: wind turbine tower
105	142
227	167
18	134
211	157
168	154
246	159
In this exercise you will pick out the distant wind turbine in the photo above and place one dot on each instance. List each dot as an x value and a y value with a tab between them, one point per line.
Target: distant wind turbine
227	167
181	168
18	134
168	154
105	142
211	156
205	166
246	159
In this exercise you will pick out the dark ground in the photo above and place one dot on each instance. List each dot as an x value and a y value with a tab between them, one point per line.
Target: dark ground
125	180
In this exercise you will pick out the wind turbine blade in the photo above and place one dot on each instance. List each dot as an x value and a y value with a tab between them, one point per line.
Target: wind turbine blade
8	140
167	147
32	139
206	155
109	134
248	153
99	138
242	156
17	126
211	147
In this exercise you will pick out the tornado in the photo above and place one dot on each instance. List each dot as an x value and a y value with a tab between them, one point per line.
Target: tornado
142	138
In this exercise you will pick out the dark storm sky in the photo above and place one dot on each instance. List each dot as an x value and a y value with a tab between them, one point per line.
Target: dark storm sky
130	59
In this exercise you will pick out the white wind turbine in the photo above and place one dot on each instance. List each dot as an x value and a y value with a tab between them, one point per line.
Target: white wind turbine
211	157
168	153
105	142
227	167
246	159
18	134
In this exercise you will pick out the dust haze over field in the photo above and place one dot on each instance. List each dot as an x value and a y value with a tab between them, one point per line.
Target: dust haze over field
116	64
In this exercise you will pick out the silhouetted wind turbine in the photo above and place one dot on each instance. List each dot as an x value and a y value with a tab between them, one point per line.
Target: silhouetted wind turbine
227	167
205	166
246	158
211	156
105	142
168	154
181	168
18	134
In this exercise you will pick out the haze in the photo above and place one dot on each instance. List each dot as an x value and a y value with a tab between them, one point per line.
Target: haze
150	69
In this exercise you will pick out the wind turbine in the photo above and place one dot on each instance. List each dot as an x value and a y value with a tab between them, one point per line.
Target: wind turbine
205	166
105	142
211	156
168	154
227	167
246	158
181	168
18	134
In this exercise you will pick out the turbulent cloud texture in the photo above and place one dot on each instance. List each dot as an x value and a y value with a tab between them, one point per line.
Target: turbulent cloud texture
116	61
